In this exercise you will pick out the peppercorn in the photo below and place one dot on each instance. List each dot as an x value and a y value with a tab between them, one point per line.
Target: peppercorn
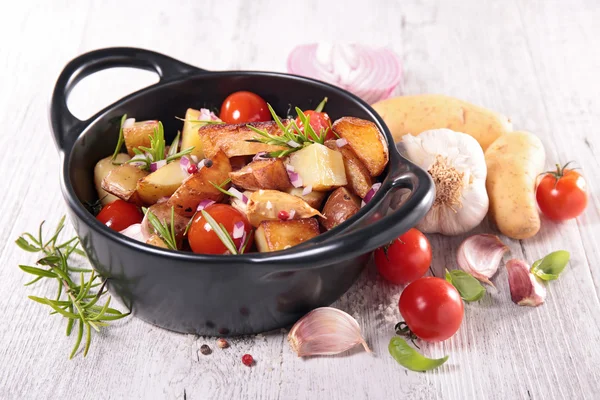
247	360
192	169
222	343
283	215
205	349
208	163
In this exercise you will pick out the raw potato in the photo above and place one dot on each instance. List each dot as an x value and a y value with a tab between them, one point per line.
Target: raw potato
341	205
266	205
359	179
281	235
162	211
416	114
102	168
198	187
233	139
319	167
189	133
368	143
262	174
122	182
139	135
161	183
313	199
514	162
157	241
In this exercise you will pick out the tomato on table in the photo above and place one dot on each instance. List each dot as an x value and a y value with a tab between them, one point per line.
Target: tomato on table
119	215
562	194
432	308
203	240
319	121
406	259
242	107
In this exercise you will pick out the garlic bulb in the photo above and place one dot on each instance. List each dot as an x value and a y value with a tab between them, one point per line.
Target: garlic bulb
456	163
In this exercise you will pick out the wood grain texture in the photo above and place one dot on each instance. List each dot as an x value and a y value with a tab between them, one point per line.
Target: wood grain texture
535	61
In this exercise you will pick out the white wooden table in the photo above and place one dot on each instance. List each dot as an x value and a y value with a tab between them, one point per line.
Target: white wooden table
535	61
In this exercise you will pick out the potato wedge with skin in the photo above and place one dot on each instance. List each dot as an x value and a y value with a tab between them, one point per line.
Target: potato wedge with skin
341	205
101	170
233	139
358	176
281	235
139	135
157	241
367	142
198	187
262	174
266	205
122	182
162	211
161	183
189	133
319	167
313	199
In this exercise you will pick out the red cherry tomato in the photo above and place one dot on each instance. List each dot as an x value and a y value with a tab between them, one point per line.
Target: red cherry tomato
406	259
562	194
319	121
204	240
243	107
432	309
120	214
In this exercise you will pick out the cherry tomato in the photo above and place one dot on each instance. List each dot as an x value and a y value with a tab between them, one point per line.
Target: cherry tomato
204	240
406	259
562	194
242	107
120	214
432	308
319	121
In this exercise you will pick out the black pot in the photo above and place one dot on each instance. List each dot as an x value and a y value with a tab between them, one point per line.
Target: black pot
221	295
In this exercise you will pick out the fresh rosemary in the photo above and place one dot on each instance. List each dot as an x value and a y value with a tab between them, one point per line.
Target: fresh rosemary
78	302
203	122
223	235
221	186
164	230
120	141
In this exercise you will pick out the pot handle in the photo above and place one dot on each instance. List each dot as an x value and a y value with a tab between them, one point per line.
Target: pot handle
66	126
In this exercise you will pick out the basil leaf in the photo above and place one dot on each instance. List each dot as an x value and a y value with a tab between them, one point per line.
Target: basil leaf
411	359
468	287
550	267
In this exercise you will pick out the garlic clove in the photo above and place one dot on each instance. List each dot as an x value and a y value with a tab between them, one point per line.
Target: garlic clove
325	331
480	256
525	288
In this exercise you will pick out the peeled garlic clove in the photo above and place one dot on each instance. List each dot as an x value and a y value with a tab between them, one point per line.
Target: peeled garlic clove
525	289
480	256
325	331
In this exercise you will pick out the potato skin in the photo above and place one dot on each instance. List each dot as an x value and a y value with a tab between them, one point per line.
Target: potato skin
514	162
139	135
232	139
262	174
280	235
160	183
122	182
359	179
416	114
162	211
101	170
341	205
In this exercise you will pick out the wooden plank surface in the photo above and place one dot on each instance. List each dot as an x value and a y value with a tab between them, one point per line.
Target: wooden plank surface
535	61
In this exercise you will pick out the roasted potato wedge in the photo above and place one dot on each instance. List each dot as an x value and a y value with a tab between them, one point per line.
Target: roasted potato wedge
358	176
233	139
122	182
366	140
266	205
262	174
163	213
341	205
101	170
189	133
157	241
281	235
198	187
161	183
139	135
319	167
313	199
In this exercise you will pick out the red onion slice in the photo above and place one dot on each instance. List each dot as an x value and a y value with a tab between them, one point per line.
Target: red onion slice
371	73
128	123
292	214
163	199
242	242
201	164
136	232
238	195
293	144
341	142
295	179
203	204
307	190
157	164
238	230
370	194
194	159
260	156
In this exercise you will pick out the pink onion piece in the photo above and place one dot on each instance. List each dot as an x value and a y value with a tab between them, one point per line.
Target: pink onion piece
136	232
207	115
371	193
238	230
293	144
480	256
238	195
525	288
307	190
244	237
163	199
184	163
341	142
371	73
290	168
194	159
203	204
201	164
292	214
260	156
157	164
295	179
128	123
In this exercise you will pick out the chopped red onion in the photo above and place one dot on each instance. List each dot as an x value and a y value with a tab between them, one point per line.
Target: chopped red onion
201	164
184	163
292	213
157	164
307	190
260	156
293	144
238	195
295	179
238	230
194	159
203	204
242	242
370	194
290	168
163	199
135	232
128	123
341	142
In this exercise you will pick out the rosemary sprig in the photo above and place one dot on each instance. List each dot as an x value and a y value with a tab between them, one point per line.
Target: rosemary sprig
120	141
221	232
203	122
156	152
220	187
174	146
78	302
164	230
321	105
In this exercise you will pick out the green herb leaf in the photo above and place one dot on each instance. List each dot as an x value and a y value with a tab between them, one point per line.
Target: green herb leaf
164	230
25	245
468	287
551	266
321	105
411	359
37	271
221	232
174	146
120	141
196	122
220	187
